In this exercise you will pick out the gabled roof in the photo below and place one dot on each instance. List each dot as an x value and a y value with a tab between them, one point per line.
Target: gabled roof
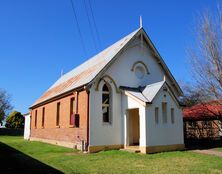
91	69
147	93
150	91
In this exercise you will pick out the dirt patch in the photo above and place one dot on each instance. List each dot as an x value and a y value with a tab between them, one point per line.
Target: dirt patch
209	152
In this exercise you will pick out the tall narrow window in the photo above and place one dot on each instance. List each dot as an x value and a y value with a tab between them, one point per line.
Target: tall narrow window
106	103
164	112
57	114
172	115
36	118
72	111
43	117
76	120
156	115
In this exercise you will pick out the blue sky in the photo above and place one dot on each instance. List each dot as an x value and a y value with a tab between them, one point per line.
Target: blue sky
39	38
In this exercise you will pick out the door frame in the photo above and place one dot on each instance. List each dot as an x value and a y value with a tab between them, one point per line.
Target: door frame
129	129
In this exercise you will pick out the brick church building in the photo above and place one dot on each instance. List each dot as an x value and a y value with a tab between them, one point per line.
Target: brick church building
123	97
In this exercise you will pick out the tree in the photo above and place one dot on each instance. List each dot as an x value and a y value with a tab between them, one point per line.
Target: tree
191	96
206	56
206	62
15	120
5	105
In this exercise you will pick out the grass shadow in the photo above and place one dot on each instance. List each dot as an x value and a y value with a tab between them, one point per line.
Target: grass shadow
11	132
201	144
13	161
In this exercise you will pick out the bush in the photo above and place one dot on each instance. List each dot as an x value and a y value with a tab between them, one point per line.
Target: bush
15	120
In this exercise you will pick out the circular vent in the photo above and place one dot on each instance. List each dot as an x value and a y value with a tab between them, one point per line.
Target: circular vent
139	72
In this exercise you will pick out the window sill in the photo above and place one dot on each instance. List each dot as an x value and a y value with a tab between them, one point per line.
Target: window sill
58	126
73	126
107	124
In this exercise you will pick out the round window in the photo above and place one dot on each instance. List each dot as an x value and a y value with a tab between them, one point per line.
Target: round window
139	72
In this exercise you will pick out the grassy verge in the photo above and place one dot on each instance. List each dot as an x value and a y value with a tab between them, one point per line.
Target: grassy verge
70	161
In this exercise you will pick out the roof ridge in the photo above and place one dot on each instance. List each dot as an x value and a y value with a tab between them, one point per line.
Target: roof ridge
141	91
156	83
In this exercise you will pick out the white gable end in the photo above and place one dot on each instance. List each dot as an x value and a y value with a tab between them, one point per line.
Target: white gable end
121	70
135	66
167	133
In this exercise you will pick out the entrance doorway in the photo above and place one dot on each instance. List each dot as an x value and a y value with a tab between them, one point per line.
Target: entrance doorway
133	125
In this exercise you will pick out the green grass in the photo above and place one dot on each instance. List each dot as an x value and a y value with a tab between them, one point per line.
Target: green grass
70	161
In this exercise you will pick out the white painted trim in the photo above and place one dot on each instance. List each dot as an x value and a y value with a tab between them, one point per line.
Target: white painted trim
135	98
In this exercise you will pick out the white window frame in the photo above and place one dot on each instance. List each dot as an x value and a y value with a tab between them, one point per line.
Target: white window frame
108	106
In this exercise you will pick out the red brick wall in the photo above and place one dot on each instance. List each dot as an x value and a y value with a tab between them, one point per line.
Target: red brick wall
64	132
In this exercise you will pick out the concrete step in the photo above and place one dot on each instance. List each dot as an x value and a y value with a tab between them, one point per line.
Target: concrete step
131	150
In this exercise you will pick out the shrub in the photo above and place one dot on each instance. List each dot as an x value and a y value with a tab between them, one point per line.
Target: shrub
15	120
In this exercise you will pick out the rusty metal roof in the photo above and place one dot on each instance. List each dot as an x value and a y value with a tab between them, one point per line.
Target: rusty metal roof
86	72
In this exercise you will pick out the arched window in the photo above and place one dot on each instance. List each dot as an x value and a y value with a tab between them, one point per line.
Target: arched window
106	103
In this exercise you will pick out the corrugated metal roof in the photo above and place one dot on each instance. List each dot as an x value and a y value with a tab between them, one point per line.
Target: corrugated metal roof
151	90
86	72
147	93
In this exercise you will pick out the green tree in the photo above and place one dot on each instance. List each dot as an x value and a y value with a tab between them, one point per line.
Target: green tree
15	120
5	105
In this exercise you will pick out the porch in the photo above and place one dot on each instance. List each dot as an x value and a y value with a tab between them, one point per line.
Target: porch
134	130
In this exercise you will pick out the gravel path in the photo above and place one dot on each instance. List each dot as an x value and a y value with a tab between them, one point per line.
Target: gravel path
209	152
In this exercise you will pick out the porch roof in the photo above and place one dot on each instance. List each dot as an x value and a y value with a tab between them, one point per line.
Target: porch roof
145	94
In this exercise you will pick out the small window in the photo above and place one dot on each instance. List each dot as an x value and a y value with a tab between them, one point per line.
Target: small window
43	117
164	112
58	114
72	111
106	103
156	115
172	116
76	120
36	112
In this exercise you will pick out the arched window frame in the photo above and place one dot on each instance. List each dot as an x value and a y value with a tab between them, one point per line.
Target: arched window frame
142	64
106	103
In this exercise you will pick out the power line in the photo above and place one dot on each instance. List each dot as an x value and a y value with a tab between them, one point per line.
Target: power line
94	22
78	26
91	27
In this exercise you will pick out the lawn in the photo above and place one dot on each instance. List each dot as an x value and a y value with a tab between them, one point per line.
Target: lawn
63	160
